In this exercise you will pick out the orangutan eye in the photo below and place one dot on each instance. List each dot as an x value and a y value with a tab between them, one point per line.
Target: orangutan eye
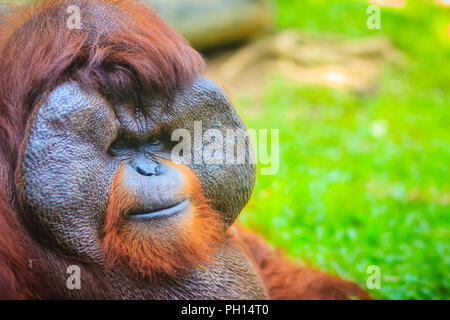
154	141
121	145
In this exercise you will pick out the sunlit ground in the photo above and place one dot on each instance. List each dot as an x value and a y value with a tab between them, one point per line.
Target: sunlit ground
363	176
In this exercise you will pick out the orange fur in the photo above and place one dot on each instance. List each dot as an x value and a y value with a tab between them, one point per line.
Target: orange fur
37	53
286	280
169	251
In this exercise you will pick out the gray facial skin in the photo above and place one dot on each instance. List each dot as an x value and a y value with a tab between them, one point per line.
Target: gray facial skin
77	139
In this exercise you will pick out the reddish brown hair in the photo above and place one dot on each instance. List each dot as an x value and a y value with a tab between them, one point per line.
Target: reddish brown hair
191	242
133	51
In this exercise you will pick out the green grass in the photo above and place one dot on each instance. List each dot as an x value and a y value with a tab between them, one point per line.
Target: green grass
348	196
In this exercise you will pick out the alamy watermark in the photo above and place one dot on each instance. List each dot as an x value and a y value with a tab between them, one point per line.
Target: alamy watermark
216	146
374	280
374	19
74	20
74	280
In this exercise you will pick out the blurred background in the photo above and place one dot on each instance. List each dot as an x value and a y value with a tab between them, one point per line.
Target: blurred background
360	93
361	97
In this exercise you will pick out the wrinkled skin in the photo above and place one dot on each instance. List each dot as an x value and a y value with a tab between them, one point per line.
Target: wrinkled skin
72	151
87	117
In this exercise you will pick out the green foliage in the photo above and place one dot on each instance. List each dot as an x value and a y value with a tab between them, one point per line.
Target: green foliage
363	178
